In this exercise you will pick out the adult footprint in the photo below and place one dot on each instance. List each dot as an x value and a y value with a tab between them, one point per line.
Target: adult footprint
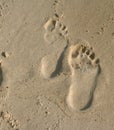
85	69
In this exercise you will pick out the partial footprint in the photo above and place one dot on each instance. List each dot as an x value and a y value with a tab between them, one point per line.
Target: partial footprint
3	87
85	69
48	65
9	118
54	30
51	64
1	74
55	33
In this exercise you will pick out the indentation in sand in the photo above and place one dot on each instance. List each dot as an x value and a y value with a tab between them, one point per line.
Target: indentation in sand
55	33
54	30
1	74
9	118
85	69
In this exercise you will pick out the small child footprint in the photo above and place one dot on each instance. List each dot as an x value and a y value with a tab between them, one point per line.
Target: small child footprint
55	33
84	73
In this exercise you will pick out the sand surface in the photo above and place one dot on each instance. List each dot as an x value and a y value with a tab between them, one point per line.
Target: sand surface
48	80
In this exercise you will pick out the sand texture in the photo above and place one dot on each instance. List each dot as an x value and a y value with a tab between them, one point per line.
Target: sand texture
56	64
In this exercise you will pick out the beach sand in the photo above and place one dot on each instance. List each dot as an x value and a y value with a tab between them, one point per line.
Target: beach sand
56	65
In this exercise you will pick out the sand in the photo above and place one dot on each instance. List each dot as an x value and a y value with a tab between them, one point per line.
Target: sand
56	65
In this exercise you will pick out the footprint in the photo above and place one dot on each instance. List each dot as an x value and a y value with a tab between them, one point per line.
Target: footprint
55	33
3	86
54	30
51	64
48	65
85	69
1	74
9	118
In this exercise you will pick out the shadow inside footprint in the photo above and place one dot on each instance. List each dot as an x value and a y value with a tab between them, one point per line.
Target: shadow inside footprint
1	76
59	64
88	104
